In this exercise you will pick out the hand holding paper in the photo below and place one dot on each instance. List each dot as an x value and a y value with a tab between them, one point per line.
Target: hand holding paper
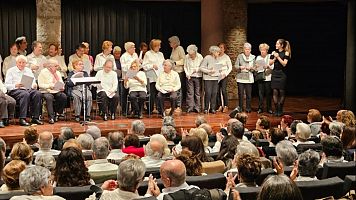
27	81
58	86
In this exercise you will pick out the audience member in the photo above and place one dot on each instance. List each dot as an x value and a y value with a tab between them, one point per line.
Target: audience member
192	164
72	143
314	119
138	128
286	153
348	137
308	166
47	161
45	141
116	142
22	151
10	176
285	123
132	145
293	128
200	119
94	131
87	142
31	137
248	168
303	134
195	145
274	136
263	124
170	133
168	121
227	150
153	154
336	128
332	150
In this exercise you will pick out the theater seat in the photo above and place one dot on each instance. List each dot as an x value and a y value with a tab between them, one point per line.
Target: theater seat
154	171
213	167
321	188
264	174
209	181
77	193
248	193
11	194
339	169
304	147
350	183
319	173
262	143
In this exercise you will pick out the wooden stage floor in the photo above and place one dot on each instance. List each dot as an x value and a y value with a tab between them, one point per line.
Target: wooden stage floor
295	106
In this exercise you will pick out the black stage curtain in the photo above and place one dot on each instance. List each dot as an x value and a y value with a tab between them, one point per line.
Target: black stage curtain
17	18
317	33
122	21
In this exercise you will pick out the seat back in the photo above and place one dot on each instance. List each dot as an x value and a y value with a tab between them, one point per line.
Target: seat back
213	167
321	188
209	181
78	193
7	196
248	193
264	174
269	151
303	147
154	171
262	142
350	183
340	169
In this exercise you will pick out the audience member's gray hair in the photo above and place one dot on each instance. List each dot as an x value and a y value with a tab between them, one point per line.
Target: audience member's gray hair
308	163
161	139
246	147
303	131
200	120
286	152
207	128
21	57
247	45
46	160
237	129
94	131
128	45
130	174
86	140
169	121
32	179
336	128
44	142
170	62
67	133
192	49
214	49
101	148
116	140
169	132
174	39
138	127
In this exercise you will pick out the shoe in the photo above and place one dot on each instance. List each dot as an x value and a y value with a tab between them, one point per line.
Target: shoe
213	111
36	121
189	110
276	112
248	110
23	122
51	121
88	119
140	116
205	111
2	124
6	122
105	117
197	110
259	111
270	111
234	112
225	109
155	111
77	118
113	117
219	109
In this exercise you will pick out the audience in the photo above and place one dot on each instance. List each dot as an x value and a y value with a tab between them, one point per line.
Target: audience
10	176
192	163
31	137
263	124
332	150
22	151
138	128
168	121
132	145
336	128
348	137
200	119
94	131
314	119
195	145
153	154
308	163
45	141
285	123
47	161
86	141
170	133
286	153
116	142
248	169
227	150
303	134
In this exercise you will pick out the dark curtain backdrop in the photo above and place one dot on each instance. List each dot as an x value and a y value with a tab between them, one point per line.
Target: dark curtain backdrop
17	18
317	33
122	21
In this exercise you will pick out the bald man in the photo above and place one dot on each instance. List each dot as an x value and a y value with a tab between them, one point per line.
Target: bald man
173	174
153	154
45	140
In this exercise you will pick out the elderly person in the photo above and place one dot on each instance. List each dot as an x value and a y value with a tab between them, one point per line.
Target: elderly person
7	106
263	124
178	56
87	142
24	96
191	67
170	133
66	133
22	151
248	170
227	150
9	61
286	122
76	91
137	90
336	128
286	153
132	145
138	128
36	59
199	120
264	86
94	131
31	137
10	176
245	63
101	168
45	140
314	119
79	55
153	154
116	142
21	44
211	74
152	62
107	90
53	54
332	150
36	182
46	161
303	134
167	85
102	57
52	88
226	68
117	55
308	166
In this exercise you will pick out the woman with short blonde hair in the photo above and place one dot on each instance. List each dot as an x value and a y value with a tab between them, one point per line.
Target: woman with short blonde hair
102	57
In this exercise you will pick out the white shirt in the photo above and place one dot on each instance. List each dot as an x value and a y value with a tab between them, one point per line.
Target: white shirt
84	59
152	162
126	60
300	142
116	154
168	81
108	82
135	85
268	77
226	64
9	62
168	190
14	75
46	81
39	61
2	87
53	152
102	167
191	67
100	60
152	58
178	56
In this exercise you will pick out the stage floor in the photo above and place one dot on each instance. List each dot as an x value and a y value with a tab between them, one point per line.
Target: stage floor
294	106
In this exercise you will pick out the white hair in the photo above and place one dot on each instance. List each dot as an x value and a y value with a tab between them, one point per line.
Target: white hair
128	45
21	57
247	45
160	138
138	127
174	39
117	49
214	49
303	131
94	131
192	49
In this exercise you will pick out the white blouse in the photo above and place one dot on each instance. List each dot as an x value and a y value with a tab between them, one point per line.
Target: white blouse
100	60
136	86
191	67
152	58
108	82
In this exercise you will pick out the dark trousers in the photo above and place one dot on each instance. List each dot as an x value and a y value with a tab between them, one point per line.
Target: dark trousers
26	98
222	91
264	90
137	99
242	89
123	92
193	93
107	103
55	103
183	89
172	97
211	90
7	106
153	96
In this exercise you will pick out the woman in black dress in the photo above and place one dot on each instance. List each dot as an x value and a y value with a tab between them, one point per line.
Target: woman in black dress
280	59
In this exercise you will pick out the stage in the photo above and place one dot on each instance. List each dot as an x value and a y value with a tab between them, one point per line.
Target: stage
294	106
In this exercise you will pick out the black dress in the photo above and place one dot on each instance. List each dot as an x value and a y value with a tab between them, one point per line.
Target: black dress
279	78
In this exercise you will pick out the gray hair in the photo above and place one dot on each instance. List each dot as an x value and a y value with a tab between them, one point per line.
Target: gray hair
32	179
151	153
161	139
286	152
246	147
192	49
101	148
116	140
35	44
237	129
130	174
94	131
169	132
21	57
86	140
174	39
169	121
46	160
200	120
336	128
247	45
170	62
303	131
128	45
214	49
67	133
117	49
138	127
308	163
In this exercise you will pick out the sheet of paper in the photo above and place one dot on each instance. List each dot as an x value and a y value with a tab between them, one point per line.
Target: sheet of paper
78	75
260	64
27	81
140	56
159	71
131	73
58	86
89	80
